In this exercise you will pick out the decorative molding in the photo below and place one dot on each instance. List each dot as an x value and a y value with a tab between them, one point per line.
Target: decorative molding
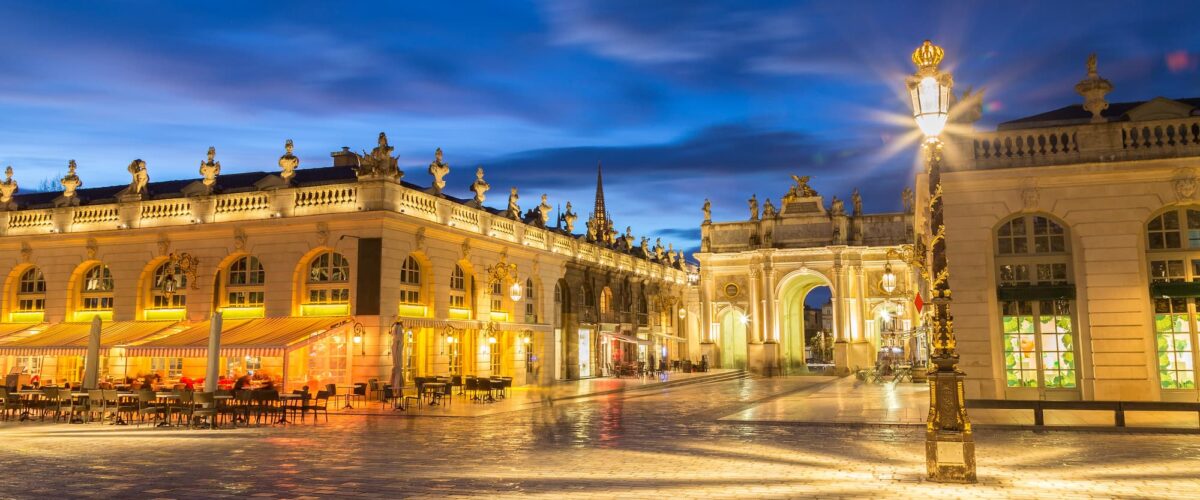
419	241
322	234
466	249
1029	193
1184	183
164	244
26	252
239	238
93	248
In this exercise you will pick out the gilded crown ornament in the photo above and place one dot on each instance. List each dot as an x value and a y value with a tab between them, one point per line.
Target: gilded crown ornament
928	56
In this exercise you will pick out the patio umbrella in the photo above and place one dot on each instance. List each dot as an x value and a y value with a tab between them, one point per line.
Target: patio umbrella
214	353
397	355
91	364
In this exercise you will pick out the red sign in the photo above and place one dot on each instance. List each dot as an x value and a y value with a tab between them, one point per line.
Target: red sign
920	304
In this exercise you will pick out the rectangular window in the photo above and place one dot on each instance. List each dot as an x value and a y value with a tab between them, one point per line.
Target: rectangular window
495	358
171	368
37	304
245	299
458	300
1173	337
1167	271
29	365
1057	344
97	303
410	296
454	353
1020	344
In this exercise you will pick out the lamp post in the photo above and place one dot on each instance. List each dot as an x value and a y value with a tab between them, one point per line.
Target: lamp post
949	441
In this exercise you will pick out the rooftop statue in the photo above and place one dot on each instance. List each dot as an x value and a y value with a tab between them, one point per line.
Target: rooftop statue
140	177
379	164
908	198
70	182
210	169
642	247
1093	89
8	188
610	234
438	169
591	230
514	211
856	201
288	163
753	201
800	190
837	207
707	211
479	187
769	209
679	258
544	211
568	218
658	249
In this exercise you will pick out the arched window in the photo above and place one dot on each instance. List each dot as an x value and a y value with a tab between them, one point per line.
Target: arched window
167	287
558	294
245	284
606	305
31	296
96	293
458	288
1173	249
1036	304
410	282
328	285
530	302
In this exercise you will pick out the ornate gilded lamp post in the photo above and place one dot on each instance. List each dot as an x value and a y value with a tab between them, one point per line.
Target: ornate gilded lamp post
949	443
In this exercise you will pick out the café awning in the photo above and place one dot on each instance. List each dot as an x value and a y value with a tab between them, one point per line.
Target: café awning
267	337
461	324
71	338
626	338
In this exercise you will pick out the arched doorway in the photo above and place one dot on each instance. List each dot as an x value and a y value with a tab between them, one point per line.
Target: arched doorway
733	338
806	322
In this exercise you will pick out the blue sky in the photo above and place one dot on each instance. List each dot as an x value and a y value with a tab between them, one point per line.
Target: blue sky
680	100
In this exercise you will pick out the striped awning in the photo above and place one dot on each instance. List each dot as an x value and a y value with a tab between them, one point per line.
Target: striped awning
461	324
65	339
265	337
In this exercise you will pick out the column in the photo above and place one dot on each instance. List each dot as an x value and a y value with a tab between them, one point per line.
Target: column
752	309
770	322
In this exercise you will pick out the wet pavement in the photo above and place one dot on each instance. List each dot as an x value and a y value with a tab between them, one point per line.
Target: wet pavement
663	443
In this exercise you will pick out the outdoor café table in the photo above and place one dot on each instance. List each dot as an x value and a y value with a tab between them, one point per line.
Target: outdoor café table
167	398
28	395
286	402
432	389
348	392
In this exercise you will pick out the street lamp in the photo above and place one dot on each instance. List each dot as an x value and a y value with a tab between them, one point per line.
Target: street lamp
949	441
888	283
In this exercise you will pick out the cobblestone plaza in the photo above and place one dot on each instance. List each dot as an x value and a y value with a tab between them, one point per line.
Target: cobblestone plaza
655	442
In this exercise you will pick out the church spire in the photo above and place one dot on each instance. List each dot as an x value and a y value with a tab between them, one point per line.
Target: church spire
600	220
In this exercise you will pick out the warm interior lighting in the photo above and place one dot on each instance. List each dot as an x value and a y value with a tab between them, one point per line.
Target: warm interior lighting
682	313
27	316
175	313
499	316
86	316
491	339
324	309
413	310
460	313
243	312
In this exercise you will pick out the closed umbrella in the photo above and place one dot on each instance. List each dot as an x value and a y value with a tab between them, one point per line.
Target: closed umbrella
397	356
91	364
214	353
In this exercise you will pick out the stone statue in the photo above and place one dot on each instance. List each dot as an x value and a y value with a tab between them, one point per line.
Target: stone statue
591	230
140	177
707	211
800	190
658	249
210	169
837	207
610	233
1093	89
629	235
438	169
908	198
642	247
70	182
8	188
544	211
288	163
480	186
379	164
514	211
679	258
769	209
568	218
753	201
856	201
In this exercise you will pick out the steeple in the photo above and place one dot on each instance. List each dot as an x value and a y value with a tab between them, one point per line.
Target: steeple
600	218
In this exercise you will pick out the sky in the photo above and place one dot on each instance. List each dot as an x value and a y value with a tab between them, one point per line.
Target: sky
679	100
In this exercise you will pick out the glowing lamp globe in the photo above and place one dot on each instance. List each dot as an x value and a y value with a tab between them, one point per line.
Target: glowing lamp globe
888	282
514	292
930	90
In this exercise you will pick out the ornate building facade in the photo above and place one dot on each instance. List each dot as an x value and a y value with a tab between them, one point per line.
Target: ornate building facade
755	275
1072	237
315	270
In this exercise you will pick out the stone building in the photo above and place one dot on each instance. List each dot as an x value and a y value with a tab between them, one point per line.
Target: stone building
756	273
1073	238
314	270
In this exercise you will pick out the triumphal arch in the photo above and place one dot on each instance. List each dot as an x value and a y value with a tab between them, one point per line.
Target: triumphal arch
755	275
